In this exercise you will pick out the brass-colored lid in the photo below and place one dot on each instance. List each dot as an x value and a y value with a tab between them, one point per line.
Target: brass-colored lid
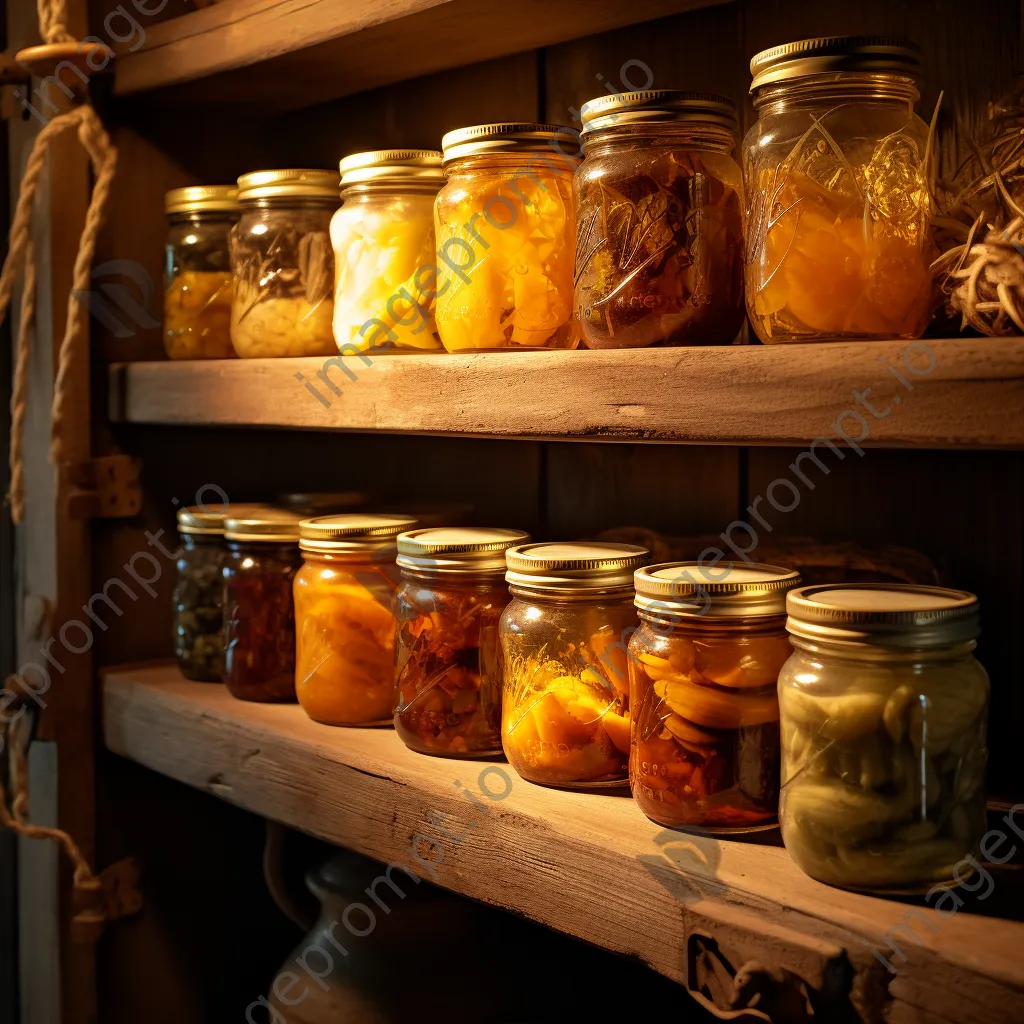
202	199
658	105
512	137
291	184
351	532
262	523
457	549
879	54
573	567
401	166
898	615
692	590
200	519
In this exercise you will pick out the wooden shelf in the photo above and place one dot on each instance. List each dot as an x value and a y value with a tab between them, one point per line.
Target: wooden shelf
588	864
777	395
281	54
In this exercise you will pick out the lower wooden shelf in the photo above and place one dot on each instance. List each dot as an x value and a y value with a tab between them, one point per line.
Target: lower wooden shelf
589	864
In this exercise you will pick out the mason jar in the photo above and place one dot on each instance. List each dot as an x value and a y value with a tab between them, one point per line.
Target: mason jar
836	167
565	706
198	595
260	563
884	710
659	221
704	667
198	284
448	664
384	251
505	238
345	617
283	264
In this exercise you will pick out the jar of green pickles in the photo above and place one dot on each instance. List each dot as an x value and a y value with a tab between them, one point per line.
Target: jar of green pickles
198	601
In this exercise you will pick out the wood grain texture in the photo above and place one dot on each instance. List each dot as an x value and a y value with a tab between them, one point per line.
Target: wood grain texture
548	854
280	54
973	397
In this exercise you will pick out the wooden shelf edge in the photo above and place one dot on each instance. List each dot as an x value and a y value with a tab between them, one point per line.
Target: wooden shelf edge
589	864
972	397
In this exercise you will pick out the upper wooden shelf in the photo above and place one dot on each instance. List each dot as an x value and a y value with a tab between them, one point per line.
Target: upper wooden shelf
589	864
973	397
280	54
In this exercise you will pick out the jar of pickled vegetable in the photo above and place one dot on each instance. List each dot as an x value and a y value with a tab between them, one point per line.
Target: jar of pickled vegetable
884	712
505	237
836	171
659	221
448	665
703	669
198	284
260	563
344	608
198	594
384	251
283	264
565	707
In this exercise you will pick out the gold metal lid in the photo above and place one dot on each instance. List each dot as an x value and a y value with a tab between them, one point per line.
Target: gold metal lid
878	54
457	549
691	590
351	532
401	166
291	184
200	519
202	199
262	523
512	137
574	567
898	615
661	105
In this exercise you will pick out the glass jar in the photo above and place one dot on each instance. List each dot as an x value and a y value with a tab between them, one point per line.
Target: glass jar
198	595
836	168
659	221
384	251
565	706
448	665
344	608
198	284
505	238
283	264
703	670
884	712
260	563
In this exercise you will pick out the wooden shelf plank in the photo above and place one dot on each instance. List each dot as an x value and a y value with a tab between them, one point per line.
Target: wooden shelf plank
280	54
973	397
587	864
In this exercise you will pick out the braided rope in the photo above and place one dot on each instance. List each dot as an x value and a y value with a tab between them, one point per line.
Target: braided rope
52	25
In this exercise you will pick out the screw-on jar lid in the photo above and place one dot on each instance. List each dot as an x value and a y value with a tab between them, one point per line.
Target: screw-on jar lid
457	549
202	519
658	105
351	532
392	166
879	54
900	615
565	568
692	590
202	199
288	184
511	137
262	523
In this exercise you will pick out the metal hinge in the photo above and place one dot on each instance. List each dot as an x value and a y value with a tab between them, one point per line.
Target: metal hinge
111	896
105	488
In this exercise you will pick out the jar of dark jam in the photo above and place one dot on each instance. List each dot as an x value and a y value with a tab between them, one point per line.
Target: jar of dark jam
659	221
260	563
198	616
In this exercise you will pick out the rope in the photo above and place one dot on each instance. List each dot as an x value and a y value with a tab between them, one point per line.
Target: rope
51	22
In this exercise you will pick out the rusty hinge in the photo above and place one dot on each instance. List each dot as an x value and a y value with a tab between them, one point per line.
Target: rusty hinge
105	488
113	895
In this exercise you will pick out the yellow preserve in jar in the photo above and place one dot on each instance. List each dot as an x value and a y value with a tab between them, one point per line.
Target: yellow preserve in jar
199	285
384	251
506	238
345	619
